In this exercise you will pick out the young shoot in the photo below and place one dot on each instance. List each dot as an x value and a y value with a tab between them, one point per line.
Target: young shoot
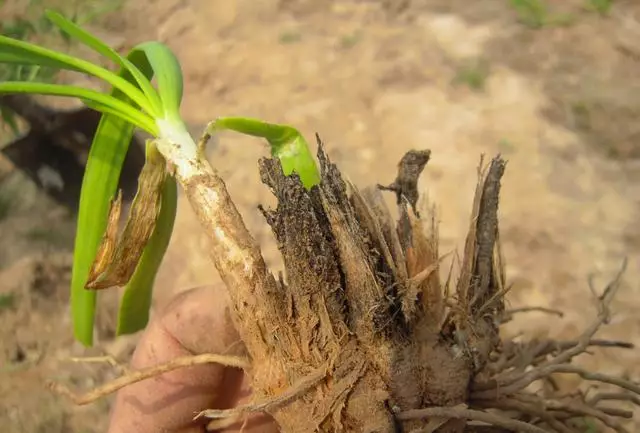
102	258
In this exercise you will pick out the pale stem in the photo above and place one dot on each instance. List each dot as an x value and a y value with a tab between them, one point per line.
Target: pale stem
235	253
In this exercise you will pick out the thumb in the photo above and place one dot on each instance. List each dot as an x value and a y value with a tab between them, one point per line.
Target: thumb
196	321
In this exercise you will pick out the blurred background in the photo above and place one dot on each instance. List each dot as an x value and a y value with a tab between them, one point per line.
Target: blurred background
552	86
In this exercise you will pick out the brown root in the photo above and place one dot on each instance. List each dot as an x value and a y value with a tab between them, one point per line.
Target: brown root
519	365
470	415
295	391
131	377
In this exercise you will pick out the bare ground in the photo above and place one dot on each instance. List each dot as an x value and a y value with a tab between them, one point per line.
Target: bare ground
374	79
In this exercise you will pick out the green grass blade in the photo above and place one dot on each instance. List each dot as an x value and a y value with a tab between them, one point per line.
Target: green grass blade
287	144
77	32
169	76
133	314
99	185
101	100
15	51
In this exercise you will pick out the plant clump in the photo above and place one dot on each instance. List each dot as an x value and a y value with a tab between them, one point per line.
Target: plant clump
361	335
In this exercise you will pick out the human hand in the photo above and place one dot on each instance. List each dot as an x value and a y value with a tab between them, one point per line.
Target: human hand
196	321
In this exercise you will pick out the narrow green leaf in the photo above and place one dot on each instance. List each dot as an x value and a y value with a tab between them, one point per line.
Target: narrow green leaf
99	185
287	144
135	305
100	101
148	124
14	51
100	47
169	76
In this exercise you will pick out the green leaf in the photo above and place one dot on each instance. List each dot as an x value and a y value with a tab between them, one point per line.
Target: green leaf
135	305
287	144
95	99
169	76
99	185
148	125
14	51
100	47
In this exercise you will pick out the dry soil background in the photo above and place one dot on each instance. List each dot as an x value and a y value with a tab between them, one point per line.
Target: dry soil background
374	79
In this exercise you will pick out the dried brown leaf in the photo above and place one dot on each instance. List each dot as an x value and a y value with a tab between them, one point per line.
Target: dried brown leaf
114	267
468	258
107	249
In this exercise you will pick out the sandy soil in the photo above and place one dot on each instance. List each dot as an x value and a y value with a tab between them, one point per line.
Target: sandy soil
374	79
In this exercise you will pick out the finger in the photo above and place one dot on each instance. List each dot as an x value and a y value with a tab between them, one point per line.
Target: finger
197	321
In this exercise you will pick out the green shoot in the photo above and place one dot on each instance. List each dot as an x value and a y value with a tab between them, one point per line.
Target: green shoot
110	143
290	37
7	301
473	74
603	7
535	14
99	258
286	143
350	40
